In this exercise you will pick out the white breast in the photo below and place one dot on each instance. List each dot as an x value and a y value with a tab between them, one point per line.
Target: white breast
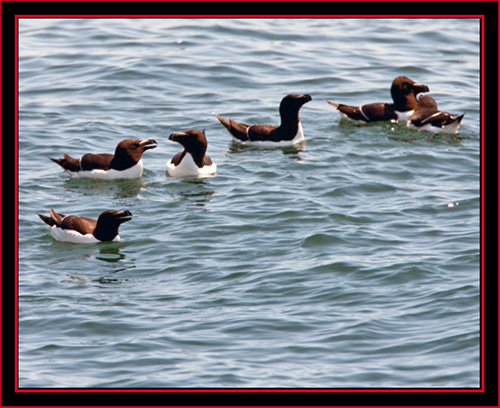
75	237
72	236
299	137
188	168
130	173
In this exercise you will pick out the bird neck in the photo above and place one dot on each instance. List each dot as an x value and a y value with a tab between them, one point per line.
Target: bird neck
107	233
122	160
198	156
289	120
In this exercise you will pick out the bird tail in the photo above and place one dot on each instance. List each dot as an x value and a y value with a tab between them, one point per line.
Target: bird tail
460	117
68	163
335	105
56	217
47	220
225	122
237	130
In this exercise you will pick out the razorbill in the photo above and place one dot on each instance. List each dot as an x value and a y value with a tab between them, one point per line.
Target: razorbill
428	117
403	92
193	160
83	230
125	163
287	133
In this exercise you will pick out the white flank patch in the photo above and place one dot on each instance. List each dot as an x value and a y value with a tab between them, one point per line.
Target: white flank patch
299	137
404	115
75	237
449	129
357	121
188	168
130	173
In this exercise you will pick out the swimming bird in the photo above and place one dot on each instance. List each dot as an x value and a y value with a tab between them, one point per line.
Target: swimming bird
403	92
288	132
428	117
193	160
126	162
83	230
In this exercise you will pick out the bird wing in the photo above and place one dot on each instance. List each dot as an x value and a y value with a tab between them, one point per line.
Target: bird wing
367	113
92	161
83	225
441	119
261	132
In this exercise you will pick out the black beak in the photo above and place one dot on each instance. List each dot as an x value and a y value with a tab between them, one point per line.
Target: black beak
174	136
124	216
420	88
148	144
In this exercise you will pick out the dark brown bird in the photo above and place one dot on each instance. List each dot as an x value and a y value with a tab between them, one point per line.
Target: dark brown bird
289	131
428	117
193	160
403	92
126	162
83	230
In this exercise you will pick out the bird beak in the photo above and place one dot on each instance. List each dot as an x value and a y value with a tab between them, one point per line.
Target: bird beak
174	136
124	216
420	88
148	144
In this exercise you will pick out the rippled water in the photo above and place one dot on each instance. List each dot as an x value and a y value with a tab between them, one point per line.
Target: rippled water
349	261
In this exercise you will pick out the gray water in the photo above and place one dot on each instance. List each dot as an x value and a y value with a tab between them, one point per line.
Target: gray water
349	261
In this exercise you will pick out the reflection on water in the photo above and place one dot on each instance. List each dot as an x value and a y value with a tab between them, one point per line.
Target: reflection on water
125	188
110	253
194	191
412	136
198	199
85	280
295	150
236	147
113	260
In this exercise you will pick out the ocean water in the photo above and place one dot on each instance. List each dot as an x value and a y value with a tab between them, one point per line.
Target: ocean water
351	260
